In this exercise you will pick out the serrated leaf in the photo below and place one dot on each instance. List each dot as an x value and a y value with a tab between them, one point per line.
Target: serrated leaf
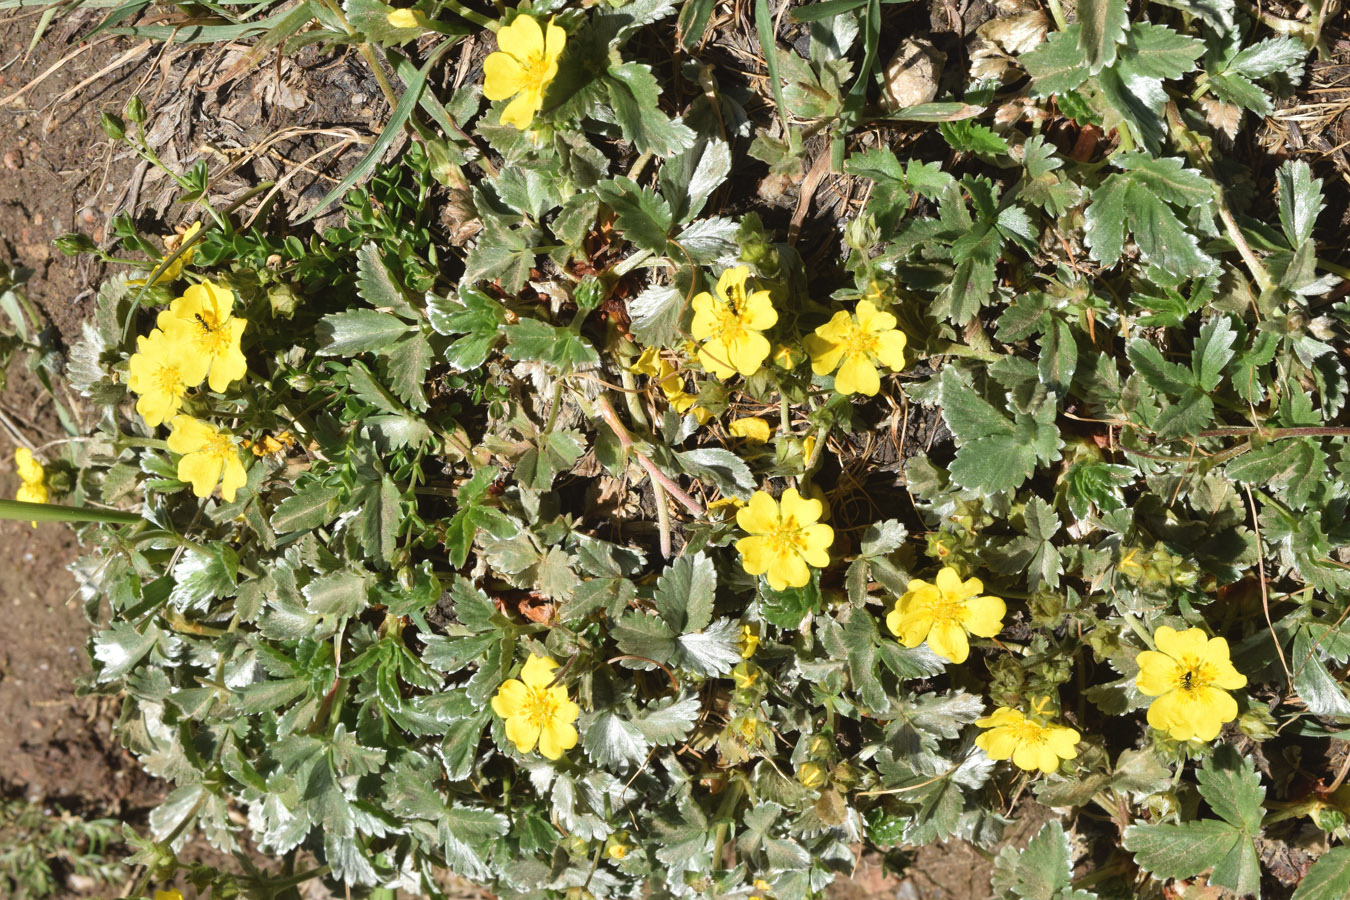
1044	870
358	331
531	339
1232	787
406	364
670	723
640	215
685	591
1329	877
723	468
613	741
376	286
1295	466
1058	65
1213	350
312	506
1102	25
1319	690
655	315
1217	14
688	179
339	595
633	93
1281	55
713	651
1300	200
1168	377
503	254
1059	358
1156	51
968	415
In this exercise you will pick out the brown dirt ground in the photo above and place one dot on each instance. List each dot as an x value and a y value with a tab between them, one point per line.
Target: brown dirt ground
59	172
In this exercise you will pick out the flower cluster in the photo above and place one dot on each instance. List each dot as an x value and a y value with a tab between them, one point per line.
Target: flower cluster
198	339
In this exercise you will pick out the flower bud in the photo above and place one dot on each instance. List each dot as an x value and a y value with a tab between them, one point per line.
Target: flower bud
113	126
135	110
811	774
73	243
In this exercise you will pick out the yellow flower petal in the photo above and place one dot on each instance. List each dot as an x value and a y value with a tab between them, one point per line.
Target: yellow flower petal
538	671
818	537
1179	644
998	743
519	113
948	640
732	280
402	18
555	40
857	375
798	508
949	583
755	430
760	515
747	352
1158	673
189	435
984	616
759	313
789	570
522	732
202	471
555	738
891	350
510	698
757	555
523	38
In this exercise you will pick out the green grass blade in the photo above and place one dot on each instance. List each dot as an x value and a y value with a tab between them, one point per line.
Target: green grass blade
51	512
768	45
405	106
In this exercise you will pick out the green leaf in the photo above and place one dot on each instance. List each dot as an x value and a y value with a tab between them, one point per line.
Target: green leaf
689	179
1217	14
1329	877
1319	690
685	592
1059	358
789	607
1102	25
610	741
656	315
470	313
1164	240
1168	178
562	348
312	506
713	651
339	595
968	415
1156	51
405	366
503	254
1213	350
376	286
1232	787
1182	851
634	93
1160	374
1280	55
970	137
664	723
1043	871
1295	466
1057	65
639	214
723	468
1300	200
1104	220
358	331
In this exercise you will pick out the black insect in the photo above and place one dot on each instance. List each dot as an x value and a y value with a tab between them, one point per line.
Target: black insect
200	318
1186	680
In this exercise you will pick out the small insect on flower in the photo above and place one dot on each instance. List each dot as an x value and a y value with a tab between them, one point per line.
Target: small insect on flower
210	457
785	540
202	320
1189	675
731	326
857	345
1031	742
536	711
160	373
525	63
944	613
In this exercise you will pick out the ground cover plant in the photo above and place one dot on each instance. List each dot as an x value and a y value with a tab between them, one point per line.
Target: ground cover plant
572	518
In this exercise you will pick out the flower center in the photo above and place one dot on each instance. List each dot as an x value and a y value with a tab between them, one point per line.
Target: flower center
219	446
860	340
1029	732
786	537
1194	675
536	71
729	325
213	336
169	380
948	610
541	707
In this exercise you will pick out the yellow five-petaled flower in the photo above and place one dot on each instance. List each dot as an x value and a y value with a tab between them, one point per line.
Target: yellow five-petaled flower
856	345
943	614
160	373
210	457
33	478
1189	675
537	711
203	324
731	326
525	62
1031	743
785	540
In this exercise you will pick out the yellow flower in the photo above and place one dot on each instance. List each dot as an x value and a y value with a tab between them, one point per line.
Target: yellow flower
160	373
784	540
535	712
268	444
1190	675
210	456
1028	742
201	319
525	62
403	18
754	430
668	379
168	895
730	326
34	477
749	641
943	613
856	344
175	268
